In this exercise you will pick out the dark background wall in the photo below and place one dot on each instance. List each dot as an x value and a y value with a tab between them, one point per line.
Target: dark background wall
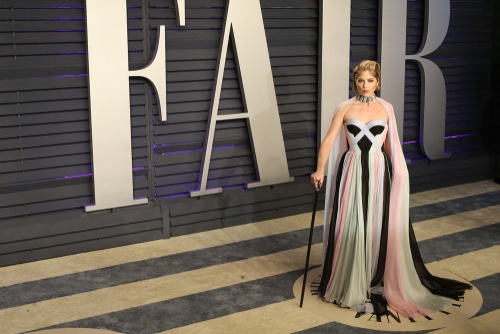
494	107
45	162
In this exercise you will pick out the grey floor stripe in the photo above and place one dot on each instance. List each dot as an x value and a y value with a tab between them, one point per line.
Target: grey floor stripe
459	243
489	287
194	308
451	207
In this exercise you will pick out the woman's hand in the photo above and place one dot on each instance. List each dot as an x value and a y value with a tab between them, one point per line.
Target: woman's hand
317	179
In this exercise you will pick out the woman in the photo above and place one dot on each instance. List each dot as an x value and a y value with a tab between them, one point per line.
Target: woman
371	257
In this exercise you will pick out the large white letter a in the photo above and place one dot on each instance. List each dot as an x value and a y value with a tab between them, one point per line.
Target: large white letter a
244	17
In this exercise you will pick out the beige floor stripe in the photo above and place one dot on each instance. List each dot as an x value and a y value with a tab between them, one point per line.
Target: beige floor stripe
474	265
46	313
484	324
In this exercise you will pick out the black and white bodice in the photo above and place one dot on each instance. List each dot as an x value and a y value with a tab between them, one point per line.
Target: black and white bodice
365	136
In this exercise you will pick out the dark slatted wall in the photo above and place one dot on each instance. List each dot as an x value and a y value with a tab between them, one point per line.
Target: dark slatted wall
45	163
493	121
43	110
465	60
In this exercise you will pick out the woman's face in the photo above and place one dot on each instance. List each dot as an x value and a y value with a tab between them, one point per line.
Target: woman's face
366	83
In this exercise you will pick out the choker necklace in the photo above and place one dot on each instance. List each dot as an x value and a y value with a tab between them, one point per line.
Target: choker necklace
365	99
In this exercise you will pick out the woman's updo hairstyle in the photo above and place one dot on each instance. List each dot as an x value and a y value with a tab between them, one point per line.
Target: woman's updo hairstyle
366	65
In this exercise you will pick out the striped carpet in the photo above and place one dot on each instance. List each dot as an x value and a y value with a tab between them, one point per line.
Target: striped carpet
241	279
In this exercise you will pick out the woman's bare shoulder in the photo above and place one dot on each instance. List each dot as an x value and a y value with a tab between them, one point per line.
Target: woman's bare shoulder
341	112
344	107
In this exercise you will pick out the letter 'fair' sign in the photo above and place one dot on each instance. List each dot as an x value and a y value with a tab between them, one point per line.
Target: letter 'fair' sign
109	93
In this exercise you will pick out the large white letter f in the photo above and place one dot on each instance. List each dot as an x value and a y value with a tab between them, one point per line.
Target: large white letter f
109	97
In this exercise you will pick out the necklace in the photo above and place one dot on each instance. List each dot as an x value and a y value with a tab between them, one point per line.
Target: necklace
365	99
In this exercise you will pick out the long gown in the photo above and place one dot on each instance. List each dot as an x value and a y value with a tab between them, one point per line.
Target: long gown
370	255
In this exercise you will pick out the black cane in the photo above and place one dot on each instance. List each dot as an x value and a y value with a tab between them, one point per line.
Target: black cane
309	244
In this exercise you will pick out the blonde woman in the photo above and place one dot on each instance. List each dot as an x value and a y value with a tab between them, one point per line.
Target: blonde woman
371	258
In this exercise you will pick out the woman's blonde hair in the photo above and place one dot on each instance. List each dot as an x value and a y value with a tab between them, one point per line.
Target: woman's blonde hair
366	65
